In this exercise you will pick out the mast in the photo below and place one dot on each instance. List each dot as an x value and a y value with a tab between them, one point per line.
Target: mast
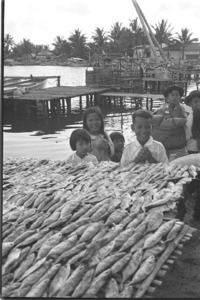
145	29
151	33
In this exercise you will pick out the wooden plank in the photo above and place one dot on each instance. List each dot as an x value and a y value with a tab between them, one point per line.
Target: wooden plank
164	257
151	96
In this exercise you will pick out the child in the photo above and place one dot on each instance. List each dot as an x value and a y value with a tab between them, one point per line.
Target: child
193	122
101	145
144	147
172	133
118	141
80	142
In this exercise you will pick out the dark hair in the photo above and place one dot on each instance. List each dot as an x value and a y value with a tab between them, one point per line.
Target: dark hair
196	124
142	113
116	135
97	110
77	135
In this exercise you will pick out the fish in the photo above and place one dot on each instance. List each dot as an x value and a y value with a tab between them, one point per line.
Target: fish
7	291
154	220
26	263
90	231
76	258
31	200
40	242
136	221
126	201
69	207
6	247
123	237
11	260
33	238
23	200
54	217
60	222
63	246
73	226
80	212
59	279
120	264
36	275
6	279
155	250
132	265
140	243
69	253
84	284
100	234
38	289
162	201
47	246
23	237
45	200
106	250
10	234
174	231
127	292
97	283
112	289
108	261
116	217
51	272
92	210
33	268
112	233
39	221
26	214
72	281
128	219
21	292
134	238
145	269
102	210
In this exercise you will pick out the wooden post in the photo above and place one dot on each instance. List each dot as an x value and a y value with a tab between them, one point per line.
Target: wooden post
68	105
87	100
58	79
80	103
63	107
45	114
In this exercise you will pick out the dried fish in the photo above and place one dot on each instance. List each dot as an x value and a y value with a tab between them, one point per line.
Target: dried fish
97	284
63	246
11	261
136	221
132	265
6	247
38	289
123	237
127	292
24	266
84	284
112	289
119	265
108	261
59	279
90	231
71	283
76	249
174	231
145	269
134	238
155	250
154	220
116	217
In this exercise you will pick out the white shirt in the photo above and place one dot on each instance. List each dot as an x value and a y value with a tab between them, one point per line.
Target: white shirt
74	158
156	148
191	143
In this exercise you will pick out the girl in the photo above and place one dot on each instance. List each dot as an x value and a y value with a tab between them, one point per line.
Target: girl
101	145
80	142
193	122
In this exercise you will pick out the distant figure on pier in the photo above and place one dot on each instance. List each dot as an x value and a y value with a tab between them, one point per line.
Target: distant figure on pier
80	142
118	141
101	145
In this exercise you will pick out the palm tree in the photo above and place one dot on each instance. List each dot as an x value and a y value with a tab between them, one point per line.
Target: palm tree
138	33
100	40
78	44
58	42
8	44
26	47
114	36
163	32
184	39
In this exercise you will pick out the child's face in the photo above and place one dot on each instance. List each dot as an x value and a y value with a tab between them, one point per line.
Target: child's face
94	123
195	103
82	148
119	144
173	96
142	128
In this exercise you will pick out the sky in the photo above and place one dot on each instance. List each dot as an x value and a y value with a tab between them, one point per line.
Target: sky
41	21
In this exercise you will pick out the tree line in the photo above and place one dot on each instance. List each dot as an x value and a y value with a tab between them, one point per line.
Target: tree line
118	39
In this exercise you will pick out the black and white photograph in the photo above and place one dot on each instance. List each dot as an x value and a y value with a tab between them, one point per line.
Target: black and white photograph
100	149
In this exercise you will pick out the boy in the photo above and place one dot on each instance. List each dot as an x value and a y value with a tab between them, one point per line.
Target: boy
144	147
80	142
118	141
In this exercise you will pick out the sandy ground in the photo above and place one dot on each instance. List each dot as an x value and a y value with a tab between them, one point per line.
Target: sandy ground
183	278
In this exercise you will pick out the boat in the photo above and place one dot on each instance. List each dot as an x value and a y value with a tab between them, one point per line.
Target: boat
25	84
77	62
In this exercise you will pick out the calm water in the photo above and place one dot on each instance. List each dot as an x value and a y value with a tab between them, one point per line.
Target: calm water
28	140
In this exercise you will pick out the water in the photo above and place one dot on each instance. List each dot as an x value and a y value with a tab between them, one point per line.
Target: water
26	139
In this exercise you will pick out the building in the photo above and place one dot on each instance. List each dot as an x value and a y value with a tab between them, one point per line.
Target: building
191	52
44	55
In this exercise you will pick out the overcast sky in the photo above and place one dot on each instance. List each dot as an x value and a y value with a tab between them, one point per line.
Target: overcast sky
41	21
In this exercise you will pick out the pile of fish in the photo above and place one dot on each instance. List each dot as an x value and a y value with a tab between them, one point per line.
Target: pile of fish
85	230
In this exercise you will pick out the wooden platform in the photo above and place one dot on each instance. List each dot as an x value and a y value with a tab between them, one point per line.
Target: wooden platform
59	92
